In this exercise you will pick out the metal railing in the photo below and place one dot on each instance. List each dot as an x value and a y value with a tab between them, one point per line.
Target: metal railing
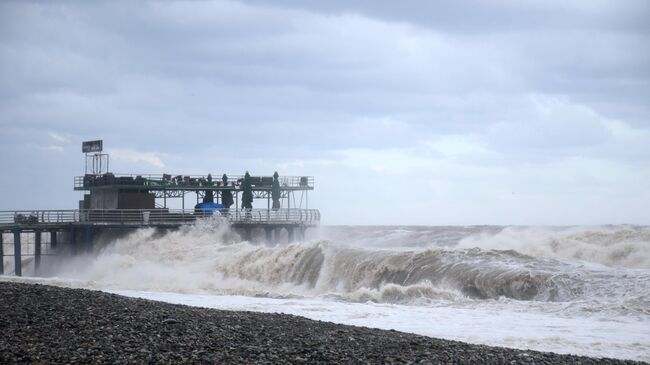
155	216
165	181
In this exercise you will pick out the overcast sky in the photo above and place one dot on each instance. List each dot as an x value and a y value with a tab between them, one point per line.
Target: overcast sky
406	112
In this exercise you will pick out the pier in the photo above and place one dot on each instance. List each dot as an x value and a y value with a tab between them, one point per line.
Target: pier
74	231
120	203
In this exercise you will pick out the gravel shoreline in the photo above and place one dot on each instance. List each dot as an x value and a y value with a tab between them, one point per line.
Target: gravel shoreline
47	324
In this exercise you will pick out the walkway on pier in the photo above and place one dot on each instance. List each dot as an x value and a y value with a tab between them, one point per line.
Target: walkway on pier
45	219
78	225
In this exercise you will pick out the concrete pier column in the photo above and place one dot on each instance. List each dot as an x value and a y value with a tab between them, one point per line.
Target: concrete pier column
269	234
292	234
18	263
73	241
2	254
88	238
37	251
53	238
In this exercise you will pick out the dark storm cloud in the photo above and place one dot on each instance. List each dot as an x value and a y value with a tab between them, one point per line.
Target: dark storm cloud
594	50
436	92
490	16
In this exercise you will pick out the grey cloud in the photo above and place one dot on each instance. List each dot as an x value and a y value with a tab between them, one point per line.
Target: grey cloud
266	83
492	16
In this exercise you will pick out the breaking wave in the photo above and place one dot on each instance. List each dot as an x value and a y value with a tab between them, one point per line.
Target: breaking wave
616	246
209	258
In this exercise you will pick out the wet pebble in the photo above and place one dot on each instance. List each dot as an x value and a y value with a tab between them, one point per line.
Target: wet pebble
46	324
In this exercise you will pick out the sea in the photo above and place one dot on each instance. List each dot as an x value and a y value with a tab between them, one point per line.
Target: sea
573	290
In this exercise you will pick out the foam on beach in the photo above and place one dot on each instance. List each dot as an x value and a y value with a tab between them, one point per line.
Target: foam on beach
521	287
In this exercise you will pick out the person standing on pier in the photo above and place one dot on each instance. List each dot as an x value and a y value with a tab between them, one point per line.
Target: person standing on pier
275	191
226	195
247	195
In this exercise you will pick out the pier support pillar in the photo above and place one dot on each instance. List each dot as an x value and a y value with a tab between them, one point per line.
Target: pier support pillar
2	254
18	263
88	238
73	242
37	251
292	234
53	238
269	234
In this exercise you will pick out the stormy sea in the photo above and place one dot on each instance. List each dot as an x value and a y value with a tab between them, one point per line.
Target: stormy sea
573	290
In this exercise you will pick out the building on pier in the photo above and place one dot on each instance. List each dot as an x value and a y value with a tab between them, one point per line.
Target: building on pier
119	203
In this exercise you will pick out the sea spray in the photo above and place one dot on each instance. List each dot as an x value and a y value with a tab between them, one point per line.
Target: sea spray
209	258
616	246
493	285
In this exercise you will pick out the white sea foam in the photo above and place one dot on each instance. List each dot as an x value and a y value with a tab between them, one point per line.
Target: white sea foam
455	273
494	325
617	246
209	259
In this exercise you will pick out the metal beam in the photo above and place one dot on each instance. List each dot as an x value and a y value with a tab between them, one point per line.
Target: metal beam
73	241
269	234
18	263
2	254
37	251
88	238
53	238
291	232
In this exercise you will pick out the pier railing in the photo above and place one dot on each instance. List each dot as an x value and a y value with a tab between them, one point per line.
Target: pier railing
156	216
190	182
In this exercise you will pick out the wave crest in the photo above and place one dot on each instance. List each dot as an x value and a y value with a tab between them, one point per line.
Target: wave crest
615	246
208	258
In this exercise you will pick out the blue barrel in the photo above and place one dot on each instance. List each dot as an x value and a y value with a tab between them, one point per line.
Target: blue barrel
207	209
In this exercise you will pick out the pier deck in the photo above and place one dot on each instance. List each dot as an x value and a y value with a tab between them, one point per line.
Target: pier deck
75	229
52	219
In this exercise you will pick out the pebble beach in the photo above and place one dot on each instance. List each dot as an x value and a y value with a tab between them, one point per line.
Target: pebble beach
47	324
